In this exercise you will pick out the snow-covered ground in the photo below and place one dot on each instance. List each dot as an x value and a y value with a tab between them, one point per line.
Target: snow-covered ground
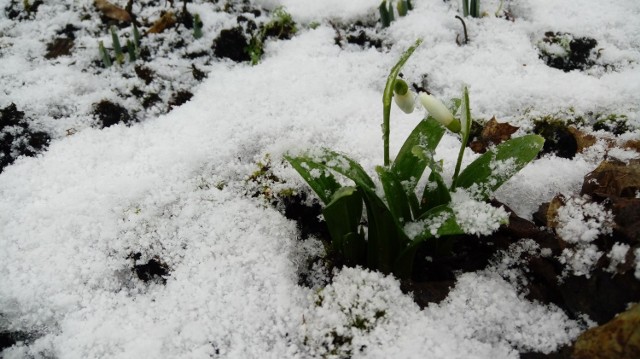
173	187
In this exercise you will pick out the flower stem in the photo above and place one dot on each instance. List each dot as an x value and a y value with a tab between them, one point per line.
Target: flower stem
465	124
388	95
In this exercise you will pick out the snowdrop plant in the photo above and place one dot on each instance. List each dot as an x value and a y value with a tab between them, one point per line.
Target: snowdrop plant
387	13
399	218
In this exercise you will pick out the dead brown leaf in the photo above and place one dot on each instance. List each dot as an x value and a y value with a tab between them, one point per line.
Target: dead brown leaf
166	21
493	133
112	11
617	339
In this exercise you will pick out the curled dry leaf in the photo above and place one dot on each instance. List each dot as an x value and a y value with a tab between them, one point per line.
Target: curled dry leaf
619	338
493	133
112	11
613	178
166	21
583	140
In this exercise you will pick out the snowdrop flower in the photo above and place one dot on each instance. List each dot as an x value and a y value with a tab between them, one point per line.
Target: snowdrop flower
439	111
403	97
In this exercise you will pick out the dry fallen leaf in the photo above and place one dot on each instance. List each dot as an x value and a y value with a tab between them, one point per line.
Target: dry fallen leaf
493	133
166	21
618	339
112	11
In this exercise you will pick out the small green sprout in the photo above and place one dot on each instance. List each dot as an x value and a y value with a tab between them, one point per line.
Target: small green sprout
132	47
116	46
280	26
400	222
106	60
471	8
197	26
387	13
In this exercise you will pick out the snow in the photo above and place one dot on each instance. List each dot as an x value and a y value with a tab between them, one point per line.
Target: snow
173	186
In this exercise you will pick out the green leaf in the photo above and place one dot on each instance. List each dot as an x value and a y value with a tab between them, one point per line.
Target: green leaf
345	166
117	48
408	166
395	194
445	218
354	248
442	220
131	49
385	238
435	192
106	60
343	215
321	181
402	7
384	14
489	171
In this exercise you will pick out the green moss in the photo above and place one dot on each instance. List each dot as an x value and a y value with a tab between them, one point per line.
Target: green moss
616	124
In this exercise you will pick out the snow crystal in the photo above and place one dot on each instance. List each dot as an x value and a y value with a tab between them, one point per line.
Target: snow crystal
477	217
618	255
580	260
413	229
622	154
582	221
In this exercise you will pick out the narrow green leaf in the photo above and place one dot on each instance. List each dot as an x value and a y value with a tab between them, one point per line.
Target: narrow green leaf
384	14
385	238
106	60
465	129
321	181
117	48
343	215
345	166
409	5
489	171
402	7
474	8
435	192
136	36
438	221
197	26
391	16
354	248
131	49
395	194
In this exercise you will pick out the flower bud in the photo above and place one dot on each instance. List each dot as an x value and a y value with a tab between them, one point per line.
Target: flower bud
403	97
439	111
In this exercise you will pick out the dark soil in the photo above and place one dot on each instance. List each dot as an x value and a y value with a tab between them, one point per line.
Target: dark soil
154	270
558	139
144	73
580	52
109	114
231	44
361	34
179	98
8	339
17	138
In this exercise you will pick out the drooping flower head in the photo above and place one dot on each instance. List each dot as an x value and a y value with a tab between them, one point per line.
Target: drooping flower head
439	111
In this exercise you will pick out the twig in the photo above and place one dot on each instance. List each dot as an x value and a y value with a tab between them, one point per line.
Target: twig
464	27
